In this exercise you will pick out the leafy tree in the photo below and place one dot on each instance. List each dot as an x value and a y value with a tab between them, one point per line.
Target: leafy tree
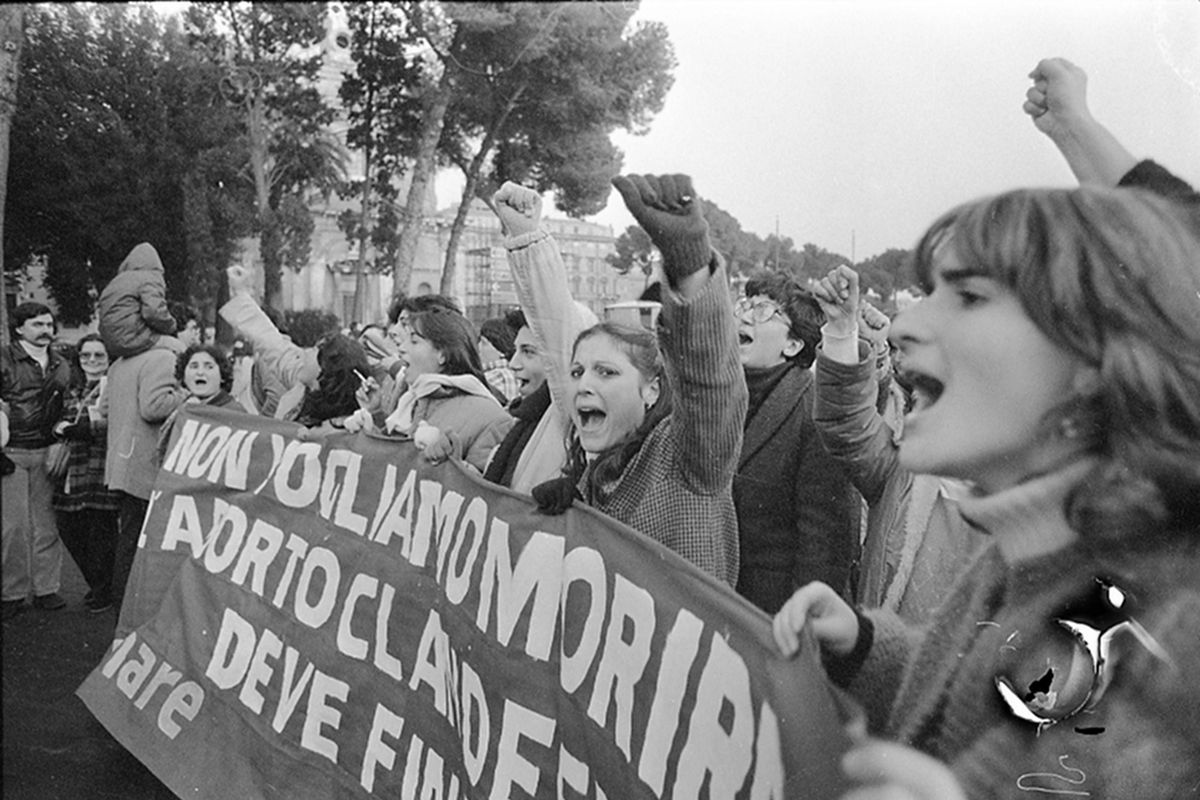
268	77
886	272
113	144
546	86
743	252
377	98
12	34
634	249
530	92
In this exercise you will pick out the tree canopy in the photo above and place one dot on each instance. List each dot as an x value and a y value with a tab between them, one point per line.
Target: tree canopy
117	139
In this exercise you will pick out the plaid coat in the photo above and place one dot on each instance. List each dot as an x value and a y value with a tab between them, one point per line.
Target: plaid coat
678	488
83	486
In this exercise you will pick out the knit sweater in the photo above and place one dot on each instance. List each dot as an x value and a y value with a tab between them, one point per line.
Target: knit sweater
677	489
1137	734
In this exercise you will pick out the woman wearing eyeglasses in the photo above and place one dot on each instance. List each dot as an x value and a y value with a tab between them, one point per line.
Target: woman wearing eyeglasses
666	473
86	510
797	513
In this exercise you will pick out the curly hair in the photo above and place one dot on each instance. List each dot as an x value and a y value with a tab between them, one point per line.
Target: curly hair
1109	275
338	357
804	313
224	363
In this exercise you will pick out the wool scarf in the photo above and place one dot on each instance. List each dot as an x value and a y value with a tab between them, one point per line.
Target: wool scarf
401	420
528	412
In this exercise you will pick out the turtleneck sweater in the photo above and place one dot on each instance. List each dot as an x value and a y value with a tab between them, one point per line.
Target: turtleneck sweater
1002	620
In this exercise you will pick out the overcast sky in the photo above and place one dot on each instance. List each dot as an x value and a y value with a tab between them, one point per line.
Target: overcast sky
876	116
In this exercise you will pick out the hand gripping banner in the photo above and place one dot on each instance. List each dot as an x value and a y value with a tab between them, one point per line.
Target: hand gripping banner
340	619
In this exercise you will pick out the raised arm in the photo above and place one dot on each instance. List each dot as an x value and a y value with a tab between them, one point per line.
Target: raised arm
1057	102
697	330
542	290
276	353
847	421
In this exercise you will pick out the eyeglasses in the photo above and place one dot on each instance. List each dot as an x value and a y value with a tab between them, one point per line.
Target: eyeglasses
759	311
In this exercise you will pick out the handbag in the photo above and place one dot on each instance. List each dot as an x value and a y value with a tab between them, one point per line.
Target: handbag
57	456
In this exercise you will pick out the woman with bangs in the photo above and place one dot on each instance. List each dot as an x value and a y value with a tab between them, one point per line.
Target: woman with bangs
1056	367
656	431
448	408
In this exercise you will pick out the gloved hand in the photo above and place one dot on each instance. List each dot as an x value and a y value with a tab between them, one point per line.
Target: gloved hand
667	209
77	431
555	496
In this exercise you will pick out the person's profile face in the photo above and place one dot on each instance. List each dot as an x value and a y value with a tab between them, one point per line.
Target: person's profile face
526	363
985	382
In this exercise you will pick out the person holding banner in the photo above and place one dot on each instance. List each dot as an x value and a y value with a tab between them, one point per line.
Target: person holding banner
667	474
447	407
534	450
915	538
1056	366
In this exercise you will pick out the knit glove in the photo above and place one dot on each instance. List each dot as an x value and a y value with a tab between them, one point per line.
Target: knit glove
555	496
666	208
77	431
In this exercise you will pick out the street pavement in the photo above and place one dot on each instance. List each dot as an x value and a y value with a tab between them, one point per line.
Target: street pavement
54	749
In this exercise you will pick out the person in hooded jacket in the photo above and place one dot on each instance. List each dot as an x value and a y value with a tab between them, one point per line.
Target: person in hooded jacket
133	306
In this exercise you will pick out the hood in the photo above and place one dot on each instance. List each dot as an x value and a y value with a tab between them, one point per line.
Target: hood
144	256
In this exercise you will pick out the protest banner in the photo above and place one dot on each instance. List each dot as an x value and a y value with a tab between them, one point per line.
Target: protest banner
341	619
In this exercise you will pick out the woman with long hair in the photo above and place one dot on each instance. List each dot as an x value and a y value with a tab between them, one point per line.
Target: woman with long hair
447	409
1055	364
657	419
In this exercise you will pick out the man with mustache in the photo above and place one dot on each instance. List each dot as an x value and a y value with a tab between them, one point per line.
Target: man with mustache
34	380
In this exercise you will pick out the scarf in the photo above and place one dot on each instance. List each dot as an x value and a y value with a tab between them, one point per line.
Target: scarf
425	386
528	412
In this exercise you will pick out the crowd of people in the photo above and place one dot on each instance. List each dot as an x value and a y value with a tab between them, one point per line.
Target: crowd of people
986	510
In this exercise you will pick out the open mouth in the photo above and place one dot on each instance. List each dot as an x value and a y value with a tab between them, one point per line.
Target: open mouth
590	419
744	338
925	389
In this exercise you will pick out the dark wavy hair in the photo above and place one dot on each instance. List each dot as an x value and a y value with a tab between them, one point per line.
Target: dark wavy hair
419	303
1113	277
804	313
224	363
641	346
27	311
454	337
338	356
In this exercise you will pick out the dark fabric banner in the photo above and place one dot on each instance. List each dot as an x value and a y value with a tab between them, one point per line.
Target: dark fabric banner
338	618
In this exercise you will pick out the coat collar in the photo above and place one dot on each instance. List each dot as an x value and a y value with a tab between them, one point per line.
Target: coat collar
776	411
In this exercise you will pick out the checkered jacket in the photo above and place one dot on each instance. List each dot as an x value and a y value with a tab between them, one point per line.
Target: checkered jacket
678	488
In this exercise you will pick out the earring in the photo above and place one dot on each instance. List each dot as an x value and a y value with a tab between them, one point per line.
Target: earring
1068	428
